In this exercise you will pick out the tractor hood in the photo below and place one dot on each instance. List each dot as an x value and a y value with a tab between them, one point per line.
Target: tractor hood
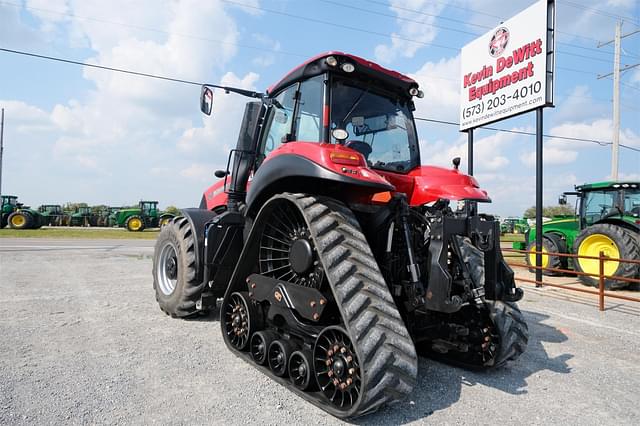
426	184
432	183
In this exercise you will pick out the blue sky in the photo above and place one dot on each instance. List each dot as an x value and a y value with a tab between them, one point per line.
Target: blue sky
79	134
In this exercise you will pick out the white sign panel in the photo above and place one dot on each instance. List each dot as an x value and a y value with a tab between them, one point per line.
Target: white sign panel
509	70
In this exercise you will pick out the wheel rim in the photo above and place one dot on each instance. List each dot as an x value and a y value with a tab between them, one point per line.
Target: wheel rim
18	220
135	224
300	371
163	222
545	257
337	368
167	271
286	248
592	246
237	321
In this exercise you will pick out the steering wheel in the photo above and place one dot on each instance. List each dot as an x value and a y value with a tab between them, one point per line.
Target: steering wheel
362	147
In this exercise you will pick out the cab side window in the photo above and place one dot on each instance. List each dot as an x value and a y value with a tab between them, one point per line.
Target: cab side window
279	121
309	116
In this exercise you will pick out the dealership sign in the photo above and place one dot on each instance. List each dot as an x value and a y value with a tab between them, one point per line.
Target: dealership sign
509	70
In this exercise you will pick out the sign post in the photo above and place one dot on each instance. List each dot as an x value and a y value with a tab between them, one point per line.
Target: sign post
507	72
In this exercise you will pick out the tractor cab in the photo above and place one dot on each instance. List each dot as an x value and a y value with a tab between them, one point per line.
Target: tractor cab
606	201
352	120
50	209
9	203
149	208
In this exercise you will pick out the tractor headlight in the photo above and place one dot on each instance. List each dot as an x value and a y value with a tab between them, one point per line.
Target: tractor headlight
331	61
414	91
348	67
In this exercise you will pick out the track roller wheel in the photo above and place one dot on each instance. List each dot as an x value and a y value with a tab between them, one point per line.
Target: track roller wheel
260	342
279	353
238	320
337	368
301	369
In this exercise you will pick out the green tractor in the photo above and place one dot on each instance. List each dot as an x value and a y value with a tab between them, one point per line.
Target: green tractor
9	205
83	216
514	225
19	216
607	220
107	216
52	214
146	215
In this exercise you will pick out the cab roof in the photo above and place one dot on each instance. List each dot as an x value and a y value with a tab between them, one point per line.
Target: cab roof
363	69
613	185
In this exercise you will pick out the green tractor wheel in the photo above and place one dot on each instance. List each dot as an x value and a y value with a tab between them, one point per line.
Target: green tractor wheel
20	220
615	242
551	243
135	224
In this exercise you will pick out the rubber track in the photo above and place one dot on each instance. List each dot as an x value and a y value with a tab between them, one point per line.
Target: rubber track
388	360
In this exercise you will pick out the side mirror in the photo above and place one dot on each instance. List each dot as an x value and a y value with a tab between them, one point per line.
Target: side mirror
206	100
456	163
562	200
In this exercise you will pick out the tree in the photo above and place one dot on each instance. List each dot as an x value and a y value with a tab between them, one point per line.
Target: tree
173	210
549	211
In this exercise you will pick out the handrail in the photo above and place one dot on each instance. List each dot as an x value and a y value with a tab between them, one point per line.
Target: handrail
602	259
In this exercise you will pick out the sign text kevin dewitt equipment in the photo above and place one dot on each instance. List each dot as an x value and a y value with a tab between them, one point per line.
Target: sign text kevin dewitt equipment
509	70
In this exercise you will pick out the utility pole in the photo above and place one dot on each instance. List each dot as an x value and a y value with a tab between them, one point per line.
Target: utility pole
1	146
615	140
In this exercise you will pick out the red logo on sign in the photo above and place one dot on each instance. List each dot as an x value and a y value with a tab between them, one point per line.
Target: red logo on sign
499	42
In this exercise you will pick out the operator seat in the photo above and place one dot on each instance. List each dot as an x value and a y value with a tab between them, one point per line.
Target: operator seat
362	147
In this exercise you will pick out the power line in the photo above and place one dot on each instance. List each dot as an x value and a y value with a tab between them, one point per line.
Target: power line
190	82
486	27
334	24
600	11
522	132
304	18
380	34
149	29
102	67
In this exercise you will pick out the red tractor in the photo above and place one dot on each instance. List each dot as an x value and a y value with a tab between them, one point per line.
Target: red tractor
338	256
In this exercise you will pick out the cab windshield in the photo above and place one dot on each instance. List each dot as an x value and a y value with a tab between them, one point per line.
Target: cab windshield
380	126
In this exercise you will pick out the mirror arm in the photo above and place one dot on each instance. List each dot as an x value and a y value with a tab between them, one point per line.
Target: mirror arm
243	92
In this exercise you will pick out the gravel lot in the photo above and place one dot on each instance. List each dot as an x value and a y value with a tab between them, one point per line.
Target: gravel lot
83	341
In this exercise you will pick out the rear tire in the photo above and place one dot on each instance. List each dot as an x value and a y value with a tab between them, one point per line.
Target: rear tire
615	242
175	275
20	220
551	243
135	224
513	331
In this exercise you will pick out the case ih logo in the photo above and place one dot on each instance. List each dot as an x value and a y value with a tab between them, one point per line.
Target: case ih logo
499	42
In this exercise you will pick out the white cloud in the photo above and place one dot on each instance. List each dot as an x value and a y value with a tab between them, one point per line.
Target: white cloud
559	151
129	136
489	155
439	82
579	106
551	156
219	131
413	26
199	172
